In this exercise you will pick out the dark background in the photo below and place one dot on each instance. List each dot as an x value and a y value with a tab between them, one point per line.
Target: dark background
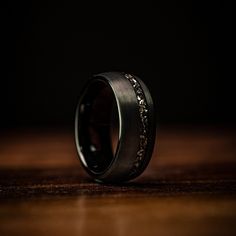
183	52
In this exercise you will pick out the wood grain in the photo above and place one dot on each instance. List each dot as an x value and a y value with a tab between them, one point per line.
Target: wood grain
189	187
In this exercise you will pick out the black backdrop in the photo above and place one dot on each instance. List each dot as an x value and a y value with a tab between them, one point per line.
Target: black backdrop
183	51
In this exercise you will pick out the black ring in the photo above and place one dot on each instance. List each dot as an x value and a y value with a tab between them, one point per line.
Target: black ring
125	100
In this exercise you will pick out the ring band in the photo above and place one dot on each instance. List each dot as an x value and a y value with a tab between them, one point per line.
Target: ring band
115	127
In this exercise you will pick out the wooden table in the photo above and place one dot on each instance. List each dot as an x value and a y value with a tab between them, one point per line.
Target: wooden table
189	187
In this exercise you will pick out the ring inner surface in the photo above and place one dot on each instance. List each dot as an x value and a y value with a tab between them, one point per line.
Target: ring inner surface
98	126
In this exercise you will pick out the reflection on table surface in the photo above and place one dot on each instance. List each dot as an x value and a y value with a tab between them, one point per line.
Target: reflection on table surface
189	188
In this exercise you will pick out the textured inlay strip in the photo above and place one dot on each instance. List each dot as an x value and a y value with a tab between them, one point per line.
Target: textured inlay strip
143	113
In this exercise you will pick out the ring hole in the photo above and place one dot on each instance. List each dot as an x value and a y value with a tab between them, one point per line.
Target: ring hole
114	129
98	126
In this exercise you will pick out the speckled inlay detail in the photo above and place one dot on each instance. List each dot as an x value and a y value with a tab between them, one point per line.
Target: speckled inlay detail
143	113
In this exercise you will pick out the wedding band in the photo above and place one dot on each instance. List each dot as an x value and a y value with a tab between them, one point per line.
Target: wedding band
115	127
